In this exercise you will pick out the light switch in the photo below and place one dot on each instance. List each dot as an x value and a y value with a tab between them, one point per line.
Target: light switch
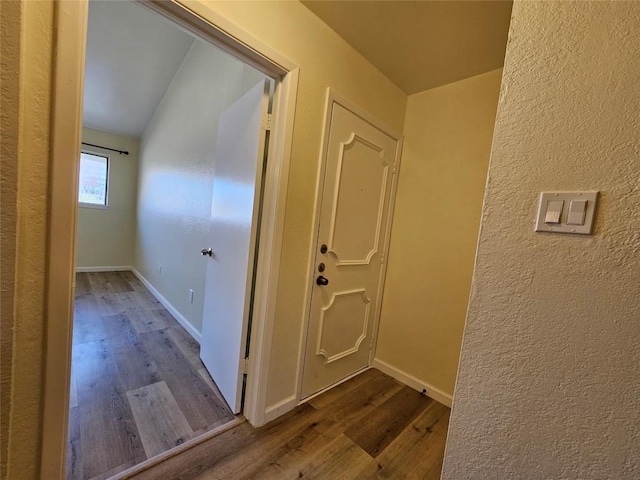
554	211
576	218
577	210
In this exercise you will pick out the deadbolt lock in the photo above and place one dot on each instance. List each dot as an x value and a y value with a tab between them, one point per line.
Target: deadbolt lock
323	248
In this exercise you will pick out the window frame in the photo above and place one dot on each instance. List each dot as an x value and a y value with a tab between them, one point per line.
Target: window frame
107	181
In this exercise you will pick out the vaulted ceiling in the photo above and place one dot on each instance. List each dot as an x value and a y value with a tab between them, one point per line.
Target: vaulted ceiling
132	56
422	44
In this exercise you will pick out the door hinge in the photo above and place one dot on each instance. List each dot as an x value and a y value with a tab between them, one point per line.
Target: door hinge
268	122
246	366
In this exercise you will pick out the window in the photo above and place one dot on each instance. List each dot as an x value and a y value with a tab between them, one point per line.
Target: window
94	175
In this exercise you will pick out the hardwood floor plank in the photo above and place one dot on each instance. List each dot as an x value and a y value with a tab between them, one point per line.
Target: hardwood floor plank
105	443
109	304
145	320
273	440
388	421
88	323
83	287
338	409
340	460
138	300
338	391
418	451
134	363
73	393
211	384
208	428
74	460
187	345
159	419
285	462
104	283
117	283
199	404
97	283
114	471
202	457
356	404
133	281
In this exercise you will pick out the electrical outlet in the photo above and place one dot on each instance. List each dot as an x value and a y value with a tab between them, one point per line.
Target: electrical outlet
190	296
159	269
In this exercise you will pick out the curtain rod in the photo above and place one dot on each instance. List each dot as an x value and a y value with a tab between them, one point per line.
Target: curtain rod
121	152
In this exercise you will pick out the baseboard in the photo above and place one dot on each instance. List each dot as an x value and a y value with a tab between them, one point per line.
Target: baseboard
166	304
413	382
102	269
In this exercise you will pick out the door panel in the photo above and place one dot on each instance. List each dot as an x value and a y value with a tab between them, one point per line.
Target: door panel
336	339
234	209
354	218
355	222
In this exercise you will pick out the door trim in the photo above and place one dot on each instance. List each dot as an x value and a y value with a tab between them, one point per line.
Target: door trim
334	97
67	92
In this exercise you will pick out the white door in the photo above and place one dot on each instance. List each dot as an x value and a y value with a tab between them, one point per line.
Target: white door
351	250
239	160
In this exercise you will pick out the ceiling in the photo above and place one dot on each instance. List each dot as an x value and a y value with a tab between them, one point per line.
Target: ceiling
132	56
422	44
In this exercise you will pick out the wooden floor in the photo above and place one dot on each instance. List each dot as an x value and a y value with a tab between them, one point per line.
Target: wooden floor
138	387
370	427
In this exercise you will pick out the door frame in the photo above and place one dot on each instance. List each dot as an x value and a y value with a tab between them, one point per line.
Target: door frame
67	95
334	97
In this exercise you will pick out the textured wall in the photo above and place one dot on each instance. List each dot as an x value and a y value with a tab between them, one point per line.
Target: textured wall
448	132
26	111
549	375
105	236
176	174
9	152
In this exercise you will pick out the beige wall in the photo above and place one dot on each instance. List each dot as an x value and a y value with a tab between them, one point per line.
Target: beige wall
27	40
176	175
9	152
549	373
448	132
325	60
105	235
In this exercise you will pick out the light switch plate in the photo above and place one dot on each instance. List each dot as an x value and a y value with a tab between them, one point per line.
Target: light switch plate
567	197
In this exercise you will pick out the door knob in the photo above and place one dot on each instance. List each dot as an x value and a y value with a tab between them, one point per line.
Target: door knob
322	281
207	251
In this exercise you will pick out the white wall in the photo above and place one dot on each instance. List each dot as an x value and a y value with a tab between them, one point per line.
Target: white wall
549	378
448	132
104	237
176	175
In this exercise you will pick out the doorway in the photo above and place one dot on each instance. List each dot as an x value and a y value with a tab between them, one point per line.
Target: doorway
264	283
149	187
